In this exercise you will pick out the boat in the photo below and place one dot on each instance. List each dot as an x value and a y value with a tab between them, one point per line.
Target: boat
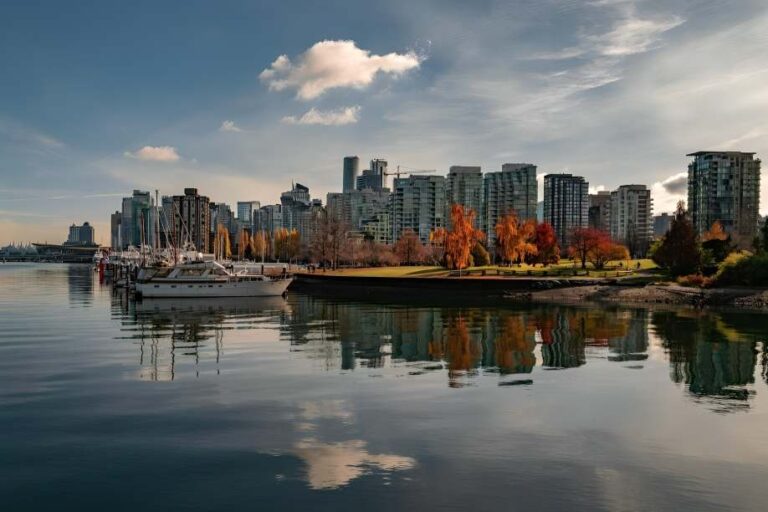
207	279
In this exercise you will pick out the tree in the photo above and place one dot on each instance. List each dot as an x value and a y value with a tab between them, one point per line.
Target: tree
716	243
243	243
409	249
480	256
259	245
763	246
606	250
437	238
222	249
584	240
515	240
328	240
546	244
679	251
462	237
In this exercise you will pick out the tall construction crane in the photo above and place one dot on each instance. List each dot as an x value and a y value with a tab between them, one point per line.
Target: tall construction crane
410	170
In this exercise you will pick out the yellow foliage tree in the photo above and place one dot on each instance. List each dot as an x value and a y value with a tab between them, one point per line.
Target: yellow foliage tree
259	245
515	240
221	247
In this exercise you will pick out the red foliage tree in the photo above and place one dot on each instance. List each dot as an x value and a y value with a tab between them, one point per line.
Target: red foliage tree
546	244
584	240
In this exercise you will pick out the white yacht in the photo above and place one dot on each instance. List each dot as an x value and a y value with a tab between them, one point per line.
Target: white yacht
207	279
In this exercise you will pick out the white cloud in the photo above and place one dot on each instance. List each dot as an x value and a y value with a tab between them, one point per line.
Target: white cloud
155	154
333	64
633	35
342	116
229	126
597	188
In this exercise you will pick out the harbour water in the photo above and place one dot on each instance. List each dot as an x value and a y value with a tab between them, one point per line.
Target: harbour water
329	403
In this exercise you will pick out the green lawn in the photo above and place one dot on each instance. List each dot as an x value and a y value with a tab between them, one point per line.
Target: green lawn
565	268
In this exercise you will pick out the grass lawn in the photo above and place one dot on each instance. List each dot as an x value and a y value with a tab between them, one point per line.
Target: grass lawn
565	268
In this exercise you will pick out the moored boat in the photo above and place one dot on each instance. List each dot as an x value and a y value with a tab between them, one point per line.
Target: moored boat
207	279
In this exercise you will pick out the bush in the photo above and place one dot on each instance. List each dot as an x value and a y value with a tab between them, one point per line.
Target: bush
695	280
744	269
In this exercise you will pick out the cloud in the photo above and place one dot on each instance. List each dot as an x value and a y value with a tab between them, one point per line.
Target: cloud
155	154
633	35
342	116
677	184
229	126
334	64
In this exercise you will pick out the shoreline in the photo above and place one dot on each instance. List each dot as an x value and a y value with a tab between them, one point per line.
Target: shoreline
632	292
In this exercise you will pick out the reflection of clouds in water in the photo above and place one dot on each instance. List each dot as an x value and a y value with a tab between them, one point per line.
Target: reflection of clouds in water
334	465
331	465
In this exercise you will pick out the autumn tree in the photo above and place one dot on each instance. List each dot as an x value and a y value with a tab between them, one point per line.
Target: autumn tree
328	240
606	250
515	240
480	256
437	238
679	250
547	250
408	248
584	241
259	245
716	243
462	237
222	249
243	243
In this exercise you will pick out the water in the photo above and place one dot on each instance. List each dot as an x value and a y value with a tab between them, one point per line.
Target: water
333	404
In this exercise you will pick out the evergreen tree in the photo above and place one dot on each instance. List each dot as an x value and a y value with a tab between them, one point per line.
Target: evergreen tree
679	251
764	236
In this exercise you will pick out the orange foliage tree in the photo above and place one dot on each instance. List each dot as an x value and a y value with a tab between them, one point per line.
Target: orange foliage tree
606	250
583	241
547	250
221	247
515	240
462	237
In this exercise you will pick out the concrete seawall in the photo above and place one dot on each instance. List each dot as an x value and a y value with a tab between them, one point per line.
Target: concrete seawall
486	287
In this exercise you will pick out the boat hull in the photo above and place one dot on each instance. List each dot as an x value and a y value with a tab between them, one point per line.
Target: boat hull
152	289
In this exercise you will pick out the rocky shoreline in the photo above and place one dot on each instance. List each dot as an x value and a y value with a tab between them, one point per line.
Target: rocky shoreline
663	293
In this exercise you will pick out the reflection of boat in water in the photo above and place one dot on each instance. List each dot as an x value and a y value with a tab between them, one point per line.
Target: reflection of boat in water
201	306
207	279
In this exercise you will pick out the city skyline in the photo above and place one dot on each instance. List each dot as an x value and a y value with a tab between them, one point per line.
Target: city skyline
615	91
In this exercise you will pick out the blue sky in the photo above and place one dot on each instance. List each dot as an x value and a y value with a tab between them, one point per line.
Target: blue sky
98	98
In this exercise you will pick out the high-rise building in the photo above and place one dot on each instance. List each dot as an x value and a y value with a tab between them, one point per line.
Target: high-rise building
192	220
464	186
294	202
351	172
661	224
114	230
80	235
600	211
513	189
418	203
373	178
725	186
566	205
269	218
632	218
358	206
137	225
221	215
245	211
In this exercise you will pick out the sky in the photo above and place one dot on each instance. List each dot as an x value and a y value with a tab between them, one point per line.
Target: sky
242	98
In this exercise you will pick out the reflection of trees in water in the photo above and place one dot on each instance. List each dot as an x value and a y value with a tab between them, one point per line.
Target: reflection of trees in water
709	355
80	279
496	340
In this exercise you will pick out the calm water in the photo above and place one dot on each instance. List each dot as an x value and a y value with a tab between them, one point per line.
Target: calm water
337	404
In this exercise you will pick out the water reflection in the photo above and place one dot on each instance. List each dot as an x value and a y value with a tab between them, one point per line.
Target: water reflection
714	355
167	330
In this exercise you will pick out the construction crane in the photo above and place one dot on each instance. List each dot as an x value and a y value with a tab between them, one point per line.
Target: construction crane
411	170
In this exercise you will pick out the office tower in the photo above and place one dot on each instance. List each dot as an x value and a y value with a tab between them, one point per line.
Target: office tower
600	211
192	220
418	203
725	186
137	225
269	218
631	216
294	202
374	177
354	207
245	211
114	230
566	205
464	186
513	189
351	172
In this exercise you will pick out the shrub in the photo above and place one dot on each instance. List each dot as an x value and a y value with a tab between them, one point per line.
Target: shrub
743	268
695	280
